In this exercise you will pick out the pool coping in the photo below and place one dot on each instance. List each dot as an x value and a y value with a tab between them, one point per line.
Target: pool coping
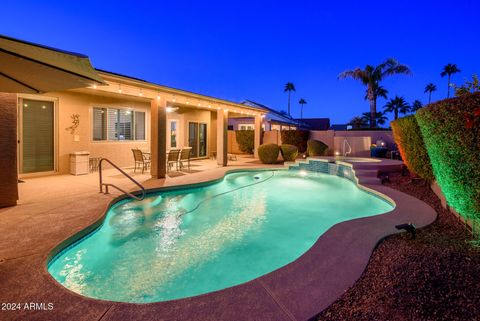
299	290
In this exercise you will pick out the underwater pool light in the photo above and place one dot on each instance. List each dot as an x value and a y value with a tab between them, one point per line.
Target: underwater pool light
303	173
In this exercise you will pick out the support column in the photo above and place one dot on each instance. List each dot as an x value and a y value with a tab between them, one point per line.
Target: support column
257	135
222	137
8	156
158	141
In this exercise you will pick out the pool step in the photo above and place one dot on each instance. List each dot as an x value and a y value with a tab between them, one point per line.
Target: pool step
369	180
367	176
366	172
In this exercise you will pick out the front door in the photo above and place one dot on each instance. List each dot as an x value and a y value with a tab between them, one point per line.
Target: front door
36	136
197	139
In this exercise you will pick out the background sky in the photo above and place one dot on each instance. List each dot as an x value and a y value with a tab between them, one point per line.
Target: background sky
240	50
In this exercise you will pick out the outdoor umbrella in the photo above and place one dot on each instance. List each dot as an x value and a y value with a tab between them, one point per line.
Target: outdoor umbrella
30	68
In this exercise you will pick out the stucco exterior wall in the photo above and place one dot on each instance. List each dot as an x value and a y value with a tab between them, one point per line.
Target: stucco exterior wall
385	135
213	133
233	147
186	115
69	103
272	137
360	146
8	143
359	140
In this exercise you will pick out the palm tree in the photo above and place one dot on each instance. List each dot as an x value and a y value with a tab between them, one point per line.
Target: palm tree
397	105
358	122
380	117
289	87
380	91
416	105
301	102
371	76
430	88
449	70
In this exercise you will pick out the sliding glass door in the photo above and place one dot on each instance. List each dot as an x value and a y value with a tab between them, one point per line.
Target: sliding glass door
197	139
36	136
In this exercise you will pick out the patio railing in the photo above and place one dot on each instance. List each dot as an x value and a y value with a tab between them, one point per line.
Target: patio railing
102	184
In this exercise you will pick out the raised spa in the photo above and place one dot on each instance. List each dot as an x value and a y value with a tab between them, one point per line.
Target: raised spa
191	241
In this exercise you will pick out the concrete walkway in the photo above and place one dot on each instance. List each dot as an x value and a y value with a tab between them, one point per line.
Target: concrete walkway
56	207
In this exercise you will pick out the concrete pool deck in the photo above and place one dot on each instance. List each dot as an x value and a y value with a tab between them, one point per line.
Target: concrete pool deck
58	207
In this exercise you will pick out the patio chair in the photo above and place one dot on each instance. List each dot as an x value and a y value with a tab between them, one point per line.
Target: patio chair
185	157
141	161
172	158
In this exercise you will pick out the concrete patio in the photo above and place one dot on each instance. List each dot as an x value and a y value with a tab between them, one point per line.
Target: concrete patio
52	209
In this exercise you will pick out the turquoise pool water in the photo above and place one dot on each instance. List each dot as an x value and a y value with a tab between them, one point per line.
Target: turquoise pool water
187	242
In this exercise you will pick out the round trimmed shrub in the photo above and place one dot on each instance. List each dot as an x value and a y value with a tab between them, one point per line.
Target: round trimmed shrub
268	153
289	152
316	148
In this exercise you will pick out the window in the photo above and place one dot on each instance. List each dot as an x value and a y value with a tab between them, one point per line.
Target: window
246	126
139	125
118	124
173	133
99	122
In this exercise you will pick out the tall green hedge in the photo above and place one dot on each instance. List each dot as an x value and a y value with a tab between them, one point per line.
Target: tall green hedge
454	151
245	140
409	140
296	137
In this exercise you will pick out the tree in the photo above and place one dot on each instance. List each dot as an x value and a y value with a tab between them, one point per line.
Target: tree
371	76
380	117
449	70
380	91
467	87
289	87
302	102
429	89
358	122
416	105
397	105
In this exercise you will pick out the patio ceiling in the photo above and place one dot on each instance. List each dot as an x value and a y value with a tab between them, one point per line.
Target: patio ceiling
32	68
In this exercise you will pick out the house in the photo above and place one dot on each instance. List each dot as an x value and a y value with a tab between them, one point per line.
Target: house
316	123
73	107
273	120
339	127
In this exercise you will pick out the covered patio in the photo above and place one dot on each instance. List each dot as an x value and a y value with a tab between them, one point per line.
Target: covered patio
71	107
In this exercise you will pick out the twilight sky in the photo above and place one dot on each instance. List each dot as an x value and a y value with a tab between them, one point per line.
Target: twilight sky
249	49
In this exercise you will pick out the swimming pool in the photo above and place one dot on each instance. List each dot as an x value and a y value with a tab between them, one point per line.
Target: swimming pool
357	159
191	241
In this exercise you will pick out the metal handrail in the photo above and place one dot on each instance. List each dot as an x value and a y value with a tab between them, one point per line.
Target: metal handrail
118	188
345	154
